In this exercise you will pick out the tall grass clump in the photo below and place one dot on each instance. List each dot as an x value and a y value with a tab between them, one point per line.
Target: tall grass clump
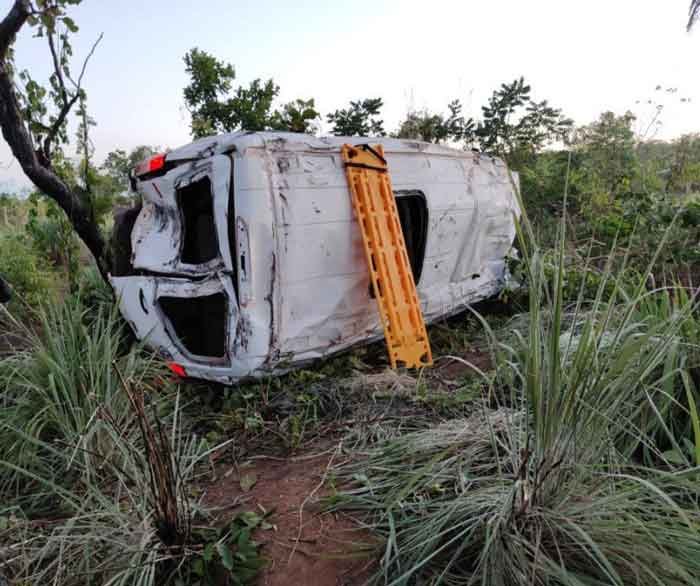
543	484
61	394
97	465
671	416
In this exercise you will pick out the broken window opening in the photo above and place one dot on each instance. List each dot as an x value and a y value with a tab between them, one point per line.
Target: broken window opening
413	215
412	207
199	241
199	323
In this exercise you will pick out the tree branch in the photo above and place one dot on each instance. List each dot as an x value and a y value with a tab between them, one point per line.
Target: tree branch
55	127
89	55
12	23
57	69
67	103
17	136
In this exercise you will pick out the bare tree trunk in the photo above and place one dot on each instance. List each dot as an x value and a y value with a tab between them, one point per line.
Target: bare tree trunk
36	162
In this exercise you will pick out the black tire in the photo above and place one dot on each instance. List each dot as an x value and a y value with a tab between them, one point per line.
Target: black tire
124	220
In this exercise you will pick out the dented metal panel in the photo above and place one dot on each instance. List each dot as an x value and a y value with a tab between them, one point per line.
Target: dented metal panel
377	213
158	233
138	300
298	287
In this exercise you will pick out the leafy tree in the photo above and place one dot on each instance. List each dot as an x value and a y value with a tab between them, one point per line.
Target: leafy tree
436	128
685	166
543	182
33	116
608	145
515	127
655	161
118	164
210	83
250	108
360	119
612	193
216	107
296	116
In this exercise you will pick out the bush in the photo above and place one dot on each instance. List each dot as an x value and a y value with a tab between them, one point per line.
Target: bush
31	283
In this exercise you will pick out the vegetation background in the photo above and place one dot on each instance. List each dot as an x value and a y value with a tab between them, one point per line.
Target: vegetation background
564	449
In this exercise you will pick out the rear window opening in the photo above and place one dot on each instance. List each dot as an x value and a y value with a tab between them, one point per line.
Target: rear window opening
413	215
199	241
199	323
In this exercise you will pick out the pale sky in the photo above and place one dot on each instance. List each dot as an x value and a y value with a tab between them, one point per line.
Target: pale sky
584	57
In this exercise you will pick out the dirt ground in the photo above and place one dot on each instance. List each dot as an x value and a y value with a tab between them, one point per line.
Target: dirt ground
305	545
454	368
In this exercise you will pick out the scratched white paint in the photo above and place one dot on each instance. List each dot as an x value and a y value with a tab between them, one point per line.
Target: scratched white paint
300	270
158	231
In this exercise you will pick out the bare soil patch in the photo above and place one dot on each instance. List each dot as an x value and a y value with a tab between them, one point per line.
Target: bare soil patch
306	545
455	368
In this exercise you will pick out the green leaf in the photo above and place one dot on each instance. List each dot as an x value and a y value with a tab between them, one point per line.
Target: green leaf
675	457
198	567
250	518
208	553
225	555
70	24
243	538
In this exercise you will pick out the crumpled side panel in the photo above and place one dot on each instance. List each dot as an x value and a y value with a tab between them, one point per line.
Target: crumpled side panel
157	236
325	304
138	301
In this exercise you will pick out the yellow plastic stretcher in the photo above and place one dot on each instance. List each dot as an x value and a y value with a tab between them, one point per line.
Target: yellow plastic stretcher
387	259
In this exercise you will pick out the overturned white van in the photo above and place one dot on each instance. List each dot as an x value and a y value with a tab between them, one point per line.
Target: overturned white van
244	258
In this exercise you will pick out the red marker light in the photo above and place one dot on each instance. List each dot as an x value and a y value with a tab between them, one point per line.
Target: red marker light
178	369
155	163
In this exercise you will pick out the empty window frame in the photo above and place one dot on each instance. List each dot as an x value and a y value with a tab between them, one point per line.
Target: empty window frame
199	241
200	323
413	215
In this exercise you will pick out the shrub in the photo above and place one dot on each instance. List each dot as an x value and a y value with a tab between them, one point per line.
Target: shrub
31	282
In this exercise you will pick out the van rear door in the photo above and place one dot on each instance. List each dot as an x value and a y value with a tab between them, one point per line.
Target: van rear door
188	322
182	228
